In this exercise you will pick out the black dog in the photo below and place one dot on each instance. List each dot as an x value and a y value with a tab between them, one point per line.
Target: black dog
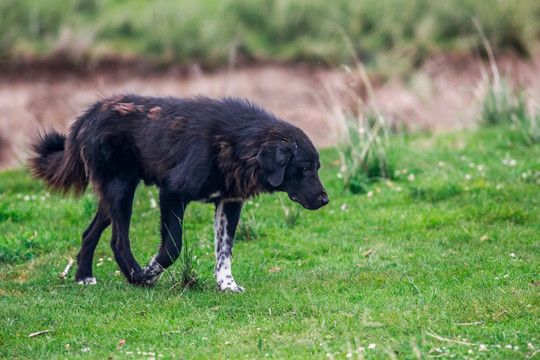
219	151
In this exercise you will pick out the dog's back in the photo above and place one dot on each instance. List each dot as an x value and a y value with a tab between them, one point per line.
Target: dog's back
153	138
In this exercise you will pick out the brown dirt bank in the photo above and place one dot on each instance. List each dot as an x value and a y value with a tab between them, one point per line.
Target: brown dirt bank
439	96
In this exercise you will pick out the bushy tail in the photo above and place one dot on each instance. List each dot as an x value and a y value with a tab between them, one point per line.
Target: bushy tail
60	165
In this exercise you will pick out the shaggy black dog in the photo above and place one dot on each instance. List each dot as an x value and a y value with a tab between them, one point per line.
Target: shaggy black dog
194	149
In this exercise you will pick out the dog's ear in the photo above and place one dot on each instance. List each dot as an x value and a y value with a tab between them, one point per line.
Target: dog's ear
273	157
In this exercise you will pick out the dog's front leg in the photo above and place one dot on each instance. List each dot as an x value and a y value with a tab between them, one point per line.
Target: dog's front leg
172	217
226	220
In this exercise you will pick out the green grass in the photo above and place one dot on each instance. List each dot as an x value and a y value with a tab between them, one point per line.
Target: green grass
458	244
392	35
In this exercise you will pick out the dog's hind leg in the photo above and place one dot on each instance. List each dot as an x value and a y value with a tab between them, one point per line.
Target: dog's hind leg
172	217
119	196
90	240
226	220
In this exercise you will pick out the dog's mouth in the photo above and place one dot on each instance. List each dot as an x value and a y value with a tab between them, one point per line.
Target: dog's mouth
309	205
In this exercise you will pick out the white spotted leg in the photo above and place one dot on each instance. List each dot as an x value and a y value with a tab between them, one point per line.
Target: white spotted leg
226	220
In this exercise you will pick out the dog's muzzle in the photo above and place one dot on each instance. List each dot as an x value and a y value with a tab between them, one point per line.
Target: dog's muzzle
313	202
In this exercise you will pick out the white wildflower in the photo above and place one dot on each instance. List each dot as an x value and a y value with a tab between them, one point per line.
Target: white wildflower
509	162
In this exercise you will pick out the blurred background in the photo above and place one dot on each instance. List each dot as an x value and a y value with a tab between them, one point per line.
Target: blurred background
424	63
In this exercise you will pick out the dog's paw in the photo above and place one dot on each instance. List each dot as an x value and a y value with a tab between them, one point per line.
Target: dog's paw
234	289
149	279
151	274
89	280
230	287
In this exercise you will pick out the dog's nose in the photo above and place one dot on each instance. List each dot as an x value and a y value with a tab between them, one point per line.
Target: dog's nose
324	198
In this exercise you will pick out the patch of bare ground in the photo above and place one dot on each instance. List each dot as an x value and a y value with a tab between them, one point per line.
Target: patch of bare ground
439	96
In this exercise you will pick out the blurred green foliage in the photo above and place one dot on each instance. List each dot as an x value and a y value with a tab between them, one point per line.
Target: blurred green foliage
391	34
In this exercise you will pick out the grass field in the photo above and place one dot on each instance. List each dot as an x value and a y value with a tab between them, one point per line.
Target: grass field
392	36
441	262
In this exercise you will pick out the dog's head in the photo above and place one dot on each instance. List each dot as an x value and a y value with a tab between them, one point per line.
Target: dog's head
291	164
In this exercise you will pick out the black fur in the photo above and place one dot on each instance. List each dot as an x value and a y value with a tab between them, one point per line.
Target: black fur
192	149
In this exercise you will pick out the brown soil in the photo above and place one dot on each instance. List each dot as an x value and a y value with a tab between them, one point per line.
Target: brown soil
439	96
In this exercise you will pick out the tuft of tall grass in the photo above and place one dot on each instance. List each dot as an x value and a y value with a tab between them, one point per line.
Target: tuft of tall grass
291	213
529	125
363	134
363	150
248	229
186	276
502	104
